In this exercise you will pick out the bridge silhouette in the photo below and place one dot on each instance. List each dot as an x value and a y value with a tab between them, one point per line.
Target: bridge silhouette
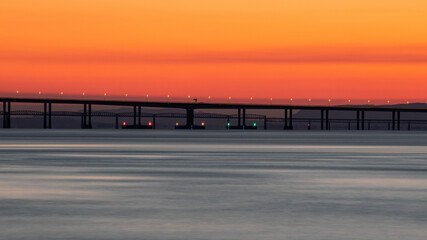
288	120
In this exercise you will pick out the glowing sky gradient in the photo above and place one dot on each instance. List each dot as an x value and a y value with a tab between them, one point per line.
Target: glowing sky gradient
273	48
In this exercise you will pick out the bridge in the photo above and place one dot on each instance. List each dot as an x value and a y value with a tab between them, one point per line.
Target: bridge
241	116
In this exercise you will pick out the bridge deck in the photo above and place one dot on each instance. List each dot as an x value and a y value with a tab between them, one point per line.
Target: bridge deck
201	105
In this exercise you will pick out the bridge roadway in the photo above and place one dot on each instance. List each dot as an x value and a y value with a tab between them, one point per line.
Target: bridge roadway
190	107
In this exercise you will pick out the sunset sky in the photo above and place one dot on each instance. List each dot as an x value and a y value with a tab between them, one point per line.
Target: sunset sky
242	48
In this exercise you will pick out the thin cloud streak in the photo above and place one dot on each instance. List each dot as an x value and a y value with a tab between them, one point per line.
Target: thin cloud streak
290	55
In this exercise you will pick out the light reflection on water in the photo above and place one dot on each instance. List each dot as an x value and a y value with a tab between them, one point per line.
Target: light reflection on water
104	184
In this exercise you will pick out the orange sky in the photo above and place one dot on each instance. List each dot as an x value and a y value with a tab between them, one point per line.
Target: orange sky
273	48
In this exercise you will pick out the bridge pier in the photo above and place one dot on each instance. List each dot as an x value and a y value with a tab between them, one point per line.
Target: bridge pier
154	121
139	115
238	118
398	120
393	119
190	118
321	120
90	116
6	114
117	121
328	125
84	115
228	122
244	117
134	115
288	120
87	116
50	115
265	122
363	120
358	120
44	115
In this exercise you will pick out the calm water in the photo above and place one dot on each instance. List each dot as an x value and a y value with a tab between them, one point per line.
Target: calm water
106	184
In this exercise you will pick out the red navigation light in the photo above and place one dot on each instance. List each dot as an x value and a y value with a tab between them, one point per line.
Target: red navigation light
203	124
124	123
150	124
176	124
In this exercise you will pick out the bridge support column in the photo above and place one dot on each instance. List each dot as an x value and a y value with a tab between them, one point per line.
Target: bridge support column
154	121
139	115
393	119
50	115
398	120
291	126
89	124
117	121
44	115
228	122
6	115
134	115
286	119
363	120
87	116
321	120
265	122
358	120
190	118
244	117
9	115
84	115
238	117
328	126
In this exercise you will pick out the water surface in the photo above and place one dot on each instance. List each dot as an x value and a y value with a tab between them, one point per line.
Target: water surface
115	184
